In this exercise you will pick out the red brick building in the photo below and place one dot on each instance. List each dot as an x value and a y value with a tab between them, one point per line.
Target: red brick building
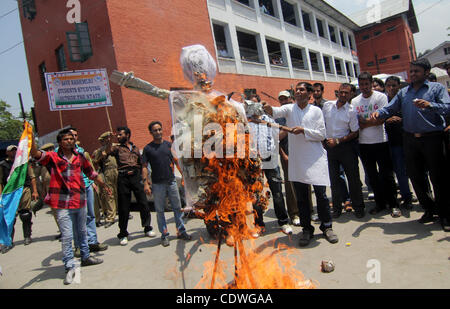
387	45
145	37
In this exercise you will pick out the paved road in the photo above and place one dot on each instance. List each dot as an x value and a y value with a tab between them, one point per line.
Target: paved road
410	255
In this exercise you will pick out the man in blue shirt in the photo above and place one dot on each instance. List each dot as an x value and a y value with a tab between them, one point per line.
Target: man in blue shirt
424	105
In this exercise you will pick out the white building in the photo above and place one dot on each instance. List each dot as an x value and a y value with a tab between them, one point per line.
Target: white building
298	39
439	55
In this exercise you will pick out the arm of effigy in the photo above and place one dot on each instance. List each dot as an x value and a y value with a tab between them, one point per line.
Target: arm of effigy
128	80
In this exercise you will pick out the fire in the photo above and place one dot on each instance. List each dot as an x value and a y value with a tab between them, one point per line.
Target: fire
227	209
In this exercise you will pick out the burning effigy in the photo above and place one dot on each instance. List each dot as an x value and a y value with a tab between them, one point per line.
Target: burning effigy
222	172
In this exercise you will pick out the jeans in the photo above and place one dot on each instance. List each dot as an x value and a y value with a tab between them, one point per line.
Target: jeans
72	221
343	184
126	184
343	159
90	220
274	180
160	192
398	161
376	159
323	206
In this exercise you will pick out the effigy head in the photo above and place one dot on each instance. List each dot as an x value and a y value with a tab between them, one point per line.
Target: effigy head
199	67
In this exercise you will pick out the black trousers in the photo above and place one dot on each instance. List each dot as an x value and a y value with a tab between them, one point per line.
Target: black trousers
323	206
427	154
274	179
125	185
377	162
345	154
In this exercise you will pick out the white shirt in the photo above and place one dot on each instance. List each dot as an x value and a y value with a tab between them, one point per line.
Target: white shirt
262	137
307	158
339	121
365	107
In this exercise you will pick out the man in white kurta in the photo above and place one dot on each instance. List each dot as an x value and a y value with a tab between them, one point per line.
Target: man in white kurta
308	163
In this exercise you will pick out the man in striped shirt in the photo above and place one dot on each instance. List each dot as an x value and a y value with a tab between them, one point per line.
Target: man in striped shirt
67	195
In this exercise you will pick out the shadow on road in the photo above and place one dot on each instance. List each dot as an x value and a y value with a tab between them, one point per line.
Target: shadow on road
55	272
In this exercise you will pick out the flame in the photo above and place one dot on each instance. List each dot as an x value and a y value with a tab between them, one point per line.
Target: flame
228	206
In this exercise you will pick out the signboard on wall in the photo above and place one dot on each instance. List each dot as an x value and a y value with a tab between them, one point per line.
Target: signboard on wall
73	90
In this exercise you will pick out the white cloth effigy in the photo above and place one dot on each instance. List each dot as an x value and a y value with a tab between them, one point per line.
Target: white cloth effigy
308	161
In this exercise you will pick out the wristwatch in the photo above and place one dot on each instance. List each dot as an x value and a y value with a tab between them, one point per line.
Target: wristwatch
337	141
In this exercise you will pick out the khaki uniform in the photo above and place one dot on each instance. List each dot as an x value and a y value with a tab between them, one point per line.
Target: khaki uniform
107	168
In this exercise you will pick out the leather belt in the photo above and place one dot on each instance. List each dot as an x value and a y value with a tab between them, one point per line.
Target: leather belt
426	134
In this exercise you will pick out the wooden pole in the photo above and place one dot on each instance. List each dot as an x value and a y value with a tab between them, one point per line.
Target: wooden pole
109	119
60	119
216	262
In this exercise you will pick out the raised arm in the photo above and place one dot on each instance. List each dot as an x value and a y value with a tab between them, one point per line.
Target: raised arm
129	81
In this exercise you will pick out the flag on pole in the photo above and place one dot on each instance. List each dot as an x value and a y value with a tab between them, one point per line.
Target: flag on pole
12	192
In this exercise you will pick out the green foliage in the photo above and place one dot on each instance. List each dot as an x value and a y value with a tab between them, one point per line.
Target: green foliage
10	126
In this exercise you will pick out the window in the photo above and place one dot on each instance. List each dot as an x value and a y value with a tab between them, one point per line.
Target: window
382	60
288	13
221	42
342	39
266	7
395	57
332	34
79	43
338	65
447	50
307	21
327	63
370	64
314	61
248	47
377	33
29	9
355	69
42	70
347	67
245	2
365	37
350	42
61	58
297	58
275	55
390	29
320	28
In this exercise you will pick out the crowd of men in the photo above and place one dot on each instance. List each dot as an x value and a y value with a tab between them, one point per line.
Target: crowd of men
389	128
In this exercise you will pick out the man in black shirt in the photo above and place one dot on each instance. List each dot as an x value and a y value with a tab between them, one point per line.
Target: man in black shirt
158	154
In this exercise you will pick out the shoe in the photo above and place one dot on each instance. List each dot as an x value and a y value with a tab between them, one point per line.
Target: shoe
108	224
427	217
58	236
91	261
371	196
445	223
165	242
98	224
70	275
150	234
360	213
184	236
348	206
296	221
98	247
5	249
287	229
306	237
330	235
124	241
27	241
376	210
336	213
396	212
315	218
77	253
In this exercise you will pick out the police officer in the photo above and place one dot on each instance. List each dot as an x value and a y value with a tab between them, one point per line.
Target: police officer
106	165
29	193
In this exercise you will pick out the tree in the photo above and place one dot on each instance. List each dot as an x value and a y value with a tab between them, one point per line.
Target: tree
10	126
